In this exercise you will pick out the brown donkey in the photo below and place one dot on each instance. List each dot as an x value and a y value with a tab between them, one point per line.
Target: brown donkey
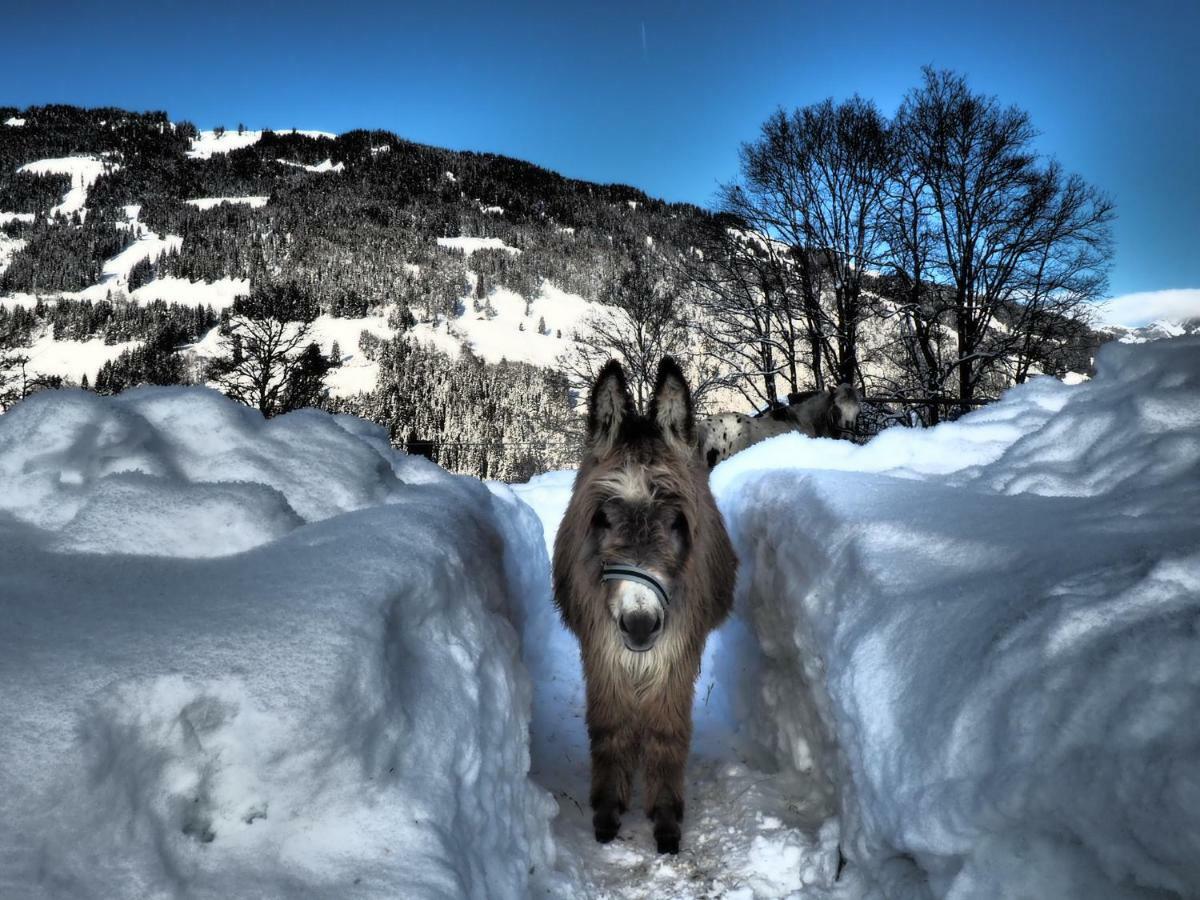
643	571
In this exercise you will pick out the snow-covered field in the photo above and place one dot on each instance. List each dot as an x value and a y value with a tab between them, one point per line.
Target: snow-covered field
83	172
219	294
469	245
327	165
73	359
203	203
209	142
248	658
510	330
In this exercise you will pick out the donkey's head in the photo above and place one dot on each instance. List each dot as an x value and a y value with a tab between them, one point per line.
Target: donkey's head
843	409
641	499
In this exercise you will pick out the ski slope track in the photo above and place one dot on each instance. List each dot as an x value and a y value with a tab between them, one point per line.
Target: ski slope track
278	658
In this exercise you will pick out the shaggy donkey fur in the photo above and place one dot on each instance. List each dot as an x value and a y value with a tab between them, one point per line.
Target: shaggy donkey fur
828	413
641	499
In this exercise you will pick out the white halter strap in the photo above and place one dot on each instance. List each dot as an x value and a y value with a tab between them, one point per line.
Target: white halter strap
626	572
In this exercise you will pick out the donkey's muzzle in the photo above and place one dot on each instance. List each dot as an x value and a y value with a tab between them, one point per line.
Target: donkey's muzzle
640	630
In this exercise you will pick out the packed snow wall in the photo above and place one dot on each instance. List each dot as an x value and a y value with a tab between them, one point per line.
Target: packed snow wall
987	635
255	658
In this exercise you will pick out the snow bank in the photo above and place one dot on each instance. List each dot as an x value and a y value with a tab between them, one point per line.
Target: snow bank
985	635
14	122
6	217
255	658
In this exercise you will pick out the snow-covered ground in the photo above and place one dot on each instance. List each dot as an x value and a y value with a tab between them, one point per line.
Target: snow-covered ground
357	373
748	832
327	165
219	294
73	359
247	658
209	142
266	658
83	172
468	245
985	635
9	247
510	330
967	654
210	202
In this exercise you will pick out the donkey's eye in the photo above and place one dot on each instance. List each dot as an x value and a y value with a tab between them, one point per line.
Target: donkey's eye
680	524
599	520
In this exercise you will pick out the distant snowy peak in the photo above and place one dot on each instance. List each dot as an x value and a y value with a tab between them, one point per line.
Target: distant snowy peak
210	142
1154	331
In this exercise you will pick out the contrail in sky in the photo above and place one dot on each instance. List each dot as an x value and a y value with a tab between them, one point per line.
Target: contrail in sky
643	40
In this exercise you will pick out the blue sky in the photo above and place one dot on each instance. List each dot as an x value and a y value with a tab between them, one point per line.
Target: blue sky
657	95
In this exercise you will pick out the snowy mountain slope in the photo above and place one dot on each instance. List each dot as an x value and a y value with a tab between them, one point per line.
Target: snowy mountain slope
209	143
509	327
264	658
83	172
73	359
1154	331
210	202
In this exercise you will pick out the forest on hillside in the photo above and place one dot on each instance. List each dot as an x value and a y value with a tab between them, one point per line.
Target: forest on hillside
931	258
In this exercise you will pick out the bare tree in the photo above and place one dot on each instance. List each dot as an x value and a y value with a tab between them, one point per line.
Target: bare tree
1015	242
16	380
744	316
643	322
269	359
815	180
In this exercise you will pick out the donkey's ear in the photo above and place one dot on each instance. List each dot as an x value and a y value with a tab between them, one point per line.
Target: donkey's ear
609	406
671	406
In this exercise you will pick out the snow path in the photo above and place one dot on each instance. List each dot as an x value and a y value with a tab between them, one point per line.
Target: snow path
746	832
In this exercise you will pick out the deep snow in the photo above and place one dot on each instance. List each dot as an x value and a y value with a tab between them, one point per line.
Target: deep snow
248	658
985	634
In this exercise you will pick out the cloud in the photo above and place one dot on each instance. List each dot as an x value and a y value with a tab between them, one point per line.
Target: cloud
1133	310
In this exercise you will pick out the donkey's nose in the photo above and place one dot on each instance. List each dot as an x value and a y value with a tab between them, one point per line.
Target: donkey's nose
640	630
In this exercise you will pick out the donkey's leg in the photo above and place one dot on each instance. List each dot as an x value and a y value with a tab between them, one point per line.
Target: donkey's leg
614	741
665	746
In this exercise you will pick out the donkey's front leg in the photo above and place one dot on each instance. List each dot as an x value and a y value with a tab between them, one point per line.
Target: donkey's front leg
664	752
614	756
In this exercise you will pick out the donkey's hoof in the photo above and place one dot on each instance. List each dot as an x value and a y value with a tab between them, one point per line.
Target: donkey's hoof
667	840
606	825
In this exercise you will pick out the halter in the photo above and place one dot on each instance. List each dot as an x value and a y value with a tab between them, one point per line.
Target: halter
626	572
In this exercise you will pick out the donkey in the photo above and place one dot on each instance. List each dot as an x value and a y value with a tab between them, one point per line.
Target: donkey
643	571
829	413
